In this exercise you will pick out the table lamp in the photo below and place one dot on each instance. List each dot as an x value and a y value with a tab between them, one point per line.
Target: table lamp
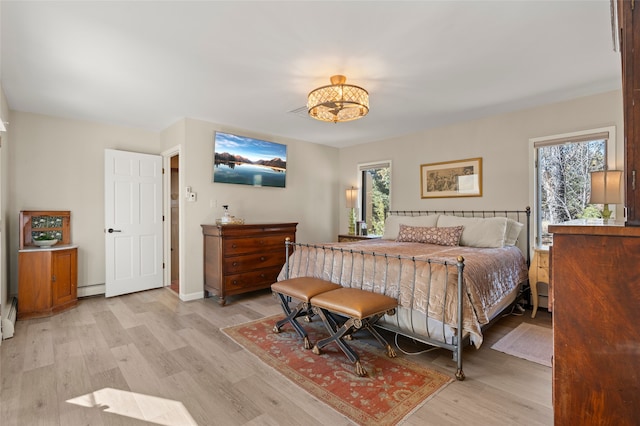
605	189
352	199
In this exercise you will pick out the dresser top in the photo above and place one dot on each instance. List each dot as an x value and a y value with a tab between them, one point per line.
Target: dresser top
595	227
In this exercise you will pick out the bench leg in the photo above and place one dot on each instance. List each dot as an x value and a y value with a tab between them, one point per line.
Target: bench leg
337	335
368	324
301	309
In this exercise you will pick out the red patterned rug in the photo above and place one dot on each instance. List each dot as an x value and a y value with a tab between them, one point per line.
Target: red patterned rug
393	388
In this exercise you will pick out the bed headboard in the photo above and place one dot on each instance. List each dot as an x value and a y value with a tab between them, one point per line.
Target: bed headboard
522	216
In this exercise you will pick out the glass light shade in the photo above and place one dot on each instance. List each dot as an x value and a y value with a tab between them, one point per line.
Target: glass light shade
338	102
606	187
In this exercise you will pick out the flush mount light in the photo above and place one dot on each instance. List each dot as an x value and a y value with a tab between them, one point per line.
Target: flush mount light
338	101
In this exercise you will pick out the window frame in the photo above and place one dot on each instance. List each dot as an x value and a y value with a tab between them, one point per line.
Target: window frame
534	143
361	167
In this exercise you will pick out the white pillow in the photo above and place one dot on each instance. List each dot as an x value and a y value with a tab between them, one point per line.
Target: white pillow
513	232
478	232
392	224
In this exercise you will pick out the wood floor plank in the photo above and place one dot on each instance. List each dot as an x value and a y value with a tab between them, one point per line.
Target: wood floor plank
39	346
152	345
38	398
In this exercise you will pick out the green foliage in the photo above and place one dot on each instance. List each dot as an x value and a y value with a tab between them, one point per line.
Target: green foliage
380	180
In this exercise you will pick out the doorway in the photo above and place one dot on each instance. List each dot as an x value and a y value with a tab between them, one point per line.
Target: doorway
174	215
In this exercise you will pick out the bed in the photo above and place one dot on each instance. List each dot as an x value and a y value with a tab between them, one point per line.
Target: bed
453	272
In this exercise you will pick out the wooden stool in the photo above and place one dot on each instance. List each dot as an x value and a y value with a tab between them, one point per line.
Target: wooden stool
362	309
302	289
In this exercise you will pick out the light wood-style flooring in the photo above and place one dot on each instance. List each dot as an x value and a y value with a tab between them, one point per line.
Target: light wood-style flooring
148	358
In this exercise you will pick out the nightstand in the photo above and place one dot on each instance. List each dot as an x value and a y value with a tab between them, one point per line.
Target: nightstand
538	273
343	238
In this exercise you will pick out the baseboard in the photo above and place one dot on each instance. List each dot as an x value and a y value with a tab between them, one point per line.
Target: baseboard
91	290
9	321
192	296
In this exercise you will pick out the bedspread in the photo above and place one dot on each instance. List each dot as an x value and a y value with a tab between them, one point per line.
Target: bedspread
387	267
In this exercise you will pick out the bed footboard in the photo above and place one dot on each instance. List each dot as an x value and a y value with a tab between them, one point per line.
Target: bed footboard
439	284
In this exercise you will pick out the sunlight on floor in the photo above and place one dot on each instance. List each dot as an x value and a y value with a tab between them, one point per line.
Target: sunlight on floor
138	406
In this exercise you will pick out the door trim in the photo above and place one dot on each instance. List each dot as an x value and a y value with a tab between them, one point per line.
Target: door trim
166	195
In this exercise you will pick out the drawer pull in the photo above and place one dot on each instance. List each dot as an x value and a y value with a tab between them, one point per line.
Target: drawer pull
261	258
234	246
234	282
263	276
235	263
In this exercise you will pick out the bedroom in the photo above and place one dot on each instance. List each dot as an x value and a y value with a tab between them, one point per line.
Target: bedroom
40	141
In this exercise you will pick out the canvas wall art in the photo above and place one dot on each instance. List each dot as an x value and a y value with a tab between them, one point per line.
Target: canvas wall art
249	161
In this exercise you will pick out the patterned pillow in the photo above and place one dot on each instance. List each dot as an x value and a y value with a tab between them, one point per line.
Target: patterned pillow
443	236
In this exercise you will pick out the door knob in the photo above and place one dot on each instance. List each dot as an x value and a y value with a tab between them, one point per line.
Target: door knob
111	230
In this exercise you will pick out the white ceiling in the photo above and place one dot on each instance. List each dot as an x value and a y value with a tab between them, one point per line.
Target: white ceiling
246	64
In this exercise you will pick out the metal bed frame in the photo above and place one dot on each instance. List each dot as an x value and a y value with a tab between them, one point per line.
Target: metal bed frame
381	264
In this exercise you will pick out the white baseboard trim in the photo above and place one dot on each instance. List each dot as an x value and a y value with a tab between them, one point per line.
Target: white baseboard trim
8	320
91	290
192	296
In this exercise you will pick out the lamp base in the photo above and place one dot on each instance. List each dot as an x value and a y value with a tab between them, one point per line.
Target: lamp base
606	213
352	222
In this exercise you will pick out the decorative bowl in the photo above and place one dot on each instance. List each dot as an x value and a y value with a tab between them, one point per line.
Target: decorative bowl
45	243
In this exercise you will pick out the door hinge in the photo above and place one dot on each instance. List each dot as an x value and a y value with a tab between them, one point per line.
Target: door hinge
163	218
162	265
633	180
163	170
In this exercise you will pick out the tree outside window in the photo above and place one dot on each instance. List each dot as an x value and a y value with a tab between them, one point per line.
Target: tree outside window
563	182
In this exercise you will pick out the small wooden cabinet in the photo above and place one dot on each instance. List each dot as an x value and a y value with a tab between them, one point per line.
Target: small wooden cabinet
538	273
243	258
47	276
47	281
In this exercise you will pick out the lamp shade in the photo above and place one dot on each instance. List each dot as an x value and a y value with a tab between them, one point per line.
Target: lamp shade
606	187
352	197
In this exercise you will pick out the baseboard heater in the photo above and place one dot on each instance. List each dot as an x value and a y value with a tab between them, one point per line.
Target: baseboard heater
9	322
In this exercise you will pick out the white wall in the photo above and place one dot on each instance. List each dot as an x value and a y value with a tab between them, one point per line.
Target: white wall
310	197
503	143
4	173
58	164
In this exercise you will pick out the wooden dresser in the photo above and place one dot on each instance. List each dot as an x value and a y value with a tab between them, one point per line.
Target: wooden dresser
47	276
595	276
243	258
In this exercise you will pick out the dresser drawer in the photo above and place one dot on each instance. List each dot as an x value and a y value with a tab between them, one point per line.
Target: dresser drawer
259	279
248	262
235	246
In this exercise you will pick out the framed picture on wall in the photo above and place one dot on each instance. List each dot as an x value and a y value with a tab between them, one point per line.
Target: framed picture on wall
249	161
460	178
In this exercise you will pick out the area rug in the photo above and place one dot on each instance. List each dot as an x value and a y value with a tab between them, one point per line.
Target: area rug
529	341
393	388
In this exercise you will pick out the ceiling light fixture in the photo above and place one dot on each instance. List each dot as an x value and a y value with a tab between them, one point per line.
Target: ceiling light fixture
338	101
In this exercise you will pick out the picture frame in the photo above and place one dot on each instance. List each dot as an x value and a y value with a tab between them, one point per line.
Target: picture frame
460	178
249	161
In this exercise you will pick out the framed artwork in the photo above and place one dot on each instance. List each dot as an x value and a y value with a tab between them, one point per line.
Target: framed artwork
461	178
248	161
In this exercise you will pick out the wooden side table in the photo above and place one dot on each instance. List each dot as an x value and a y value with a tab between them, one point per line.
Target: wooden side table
343	238
538	273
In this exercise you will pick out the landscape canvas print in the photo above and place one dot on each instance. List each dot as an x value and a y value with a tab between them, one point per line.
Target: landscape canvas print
248	161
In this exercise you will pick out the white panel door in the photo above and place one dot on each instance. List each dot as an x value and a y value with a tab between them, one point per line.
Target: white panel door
133	222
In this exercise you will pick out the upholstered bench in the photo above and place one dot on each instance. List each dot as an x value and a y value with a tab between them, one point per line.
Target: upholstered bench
362	309
301	289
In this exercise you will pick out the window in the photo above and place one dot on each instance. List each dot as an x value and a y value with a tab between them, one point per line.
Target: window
562	177
375	193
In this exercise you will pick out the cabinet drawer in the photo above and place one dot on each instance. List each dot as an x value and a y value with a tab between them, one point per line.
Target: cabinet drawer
248	262
259	278
233	246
